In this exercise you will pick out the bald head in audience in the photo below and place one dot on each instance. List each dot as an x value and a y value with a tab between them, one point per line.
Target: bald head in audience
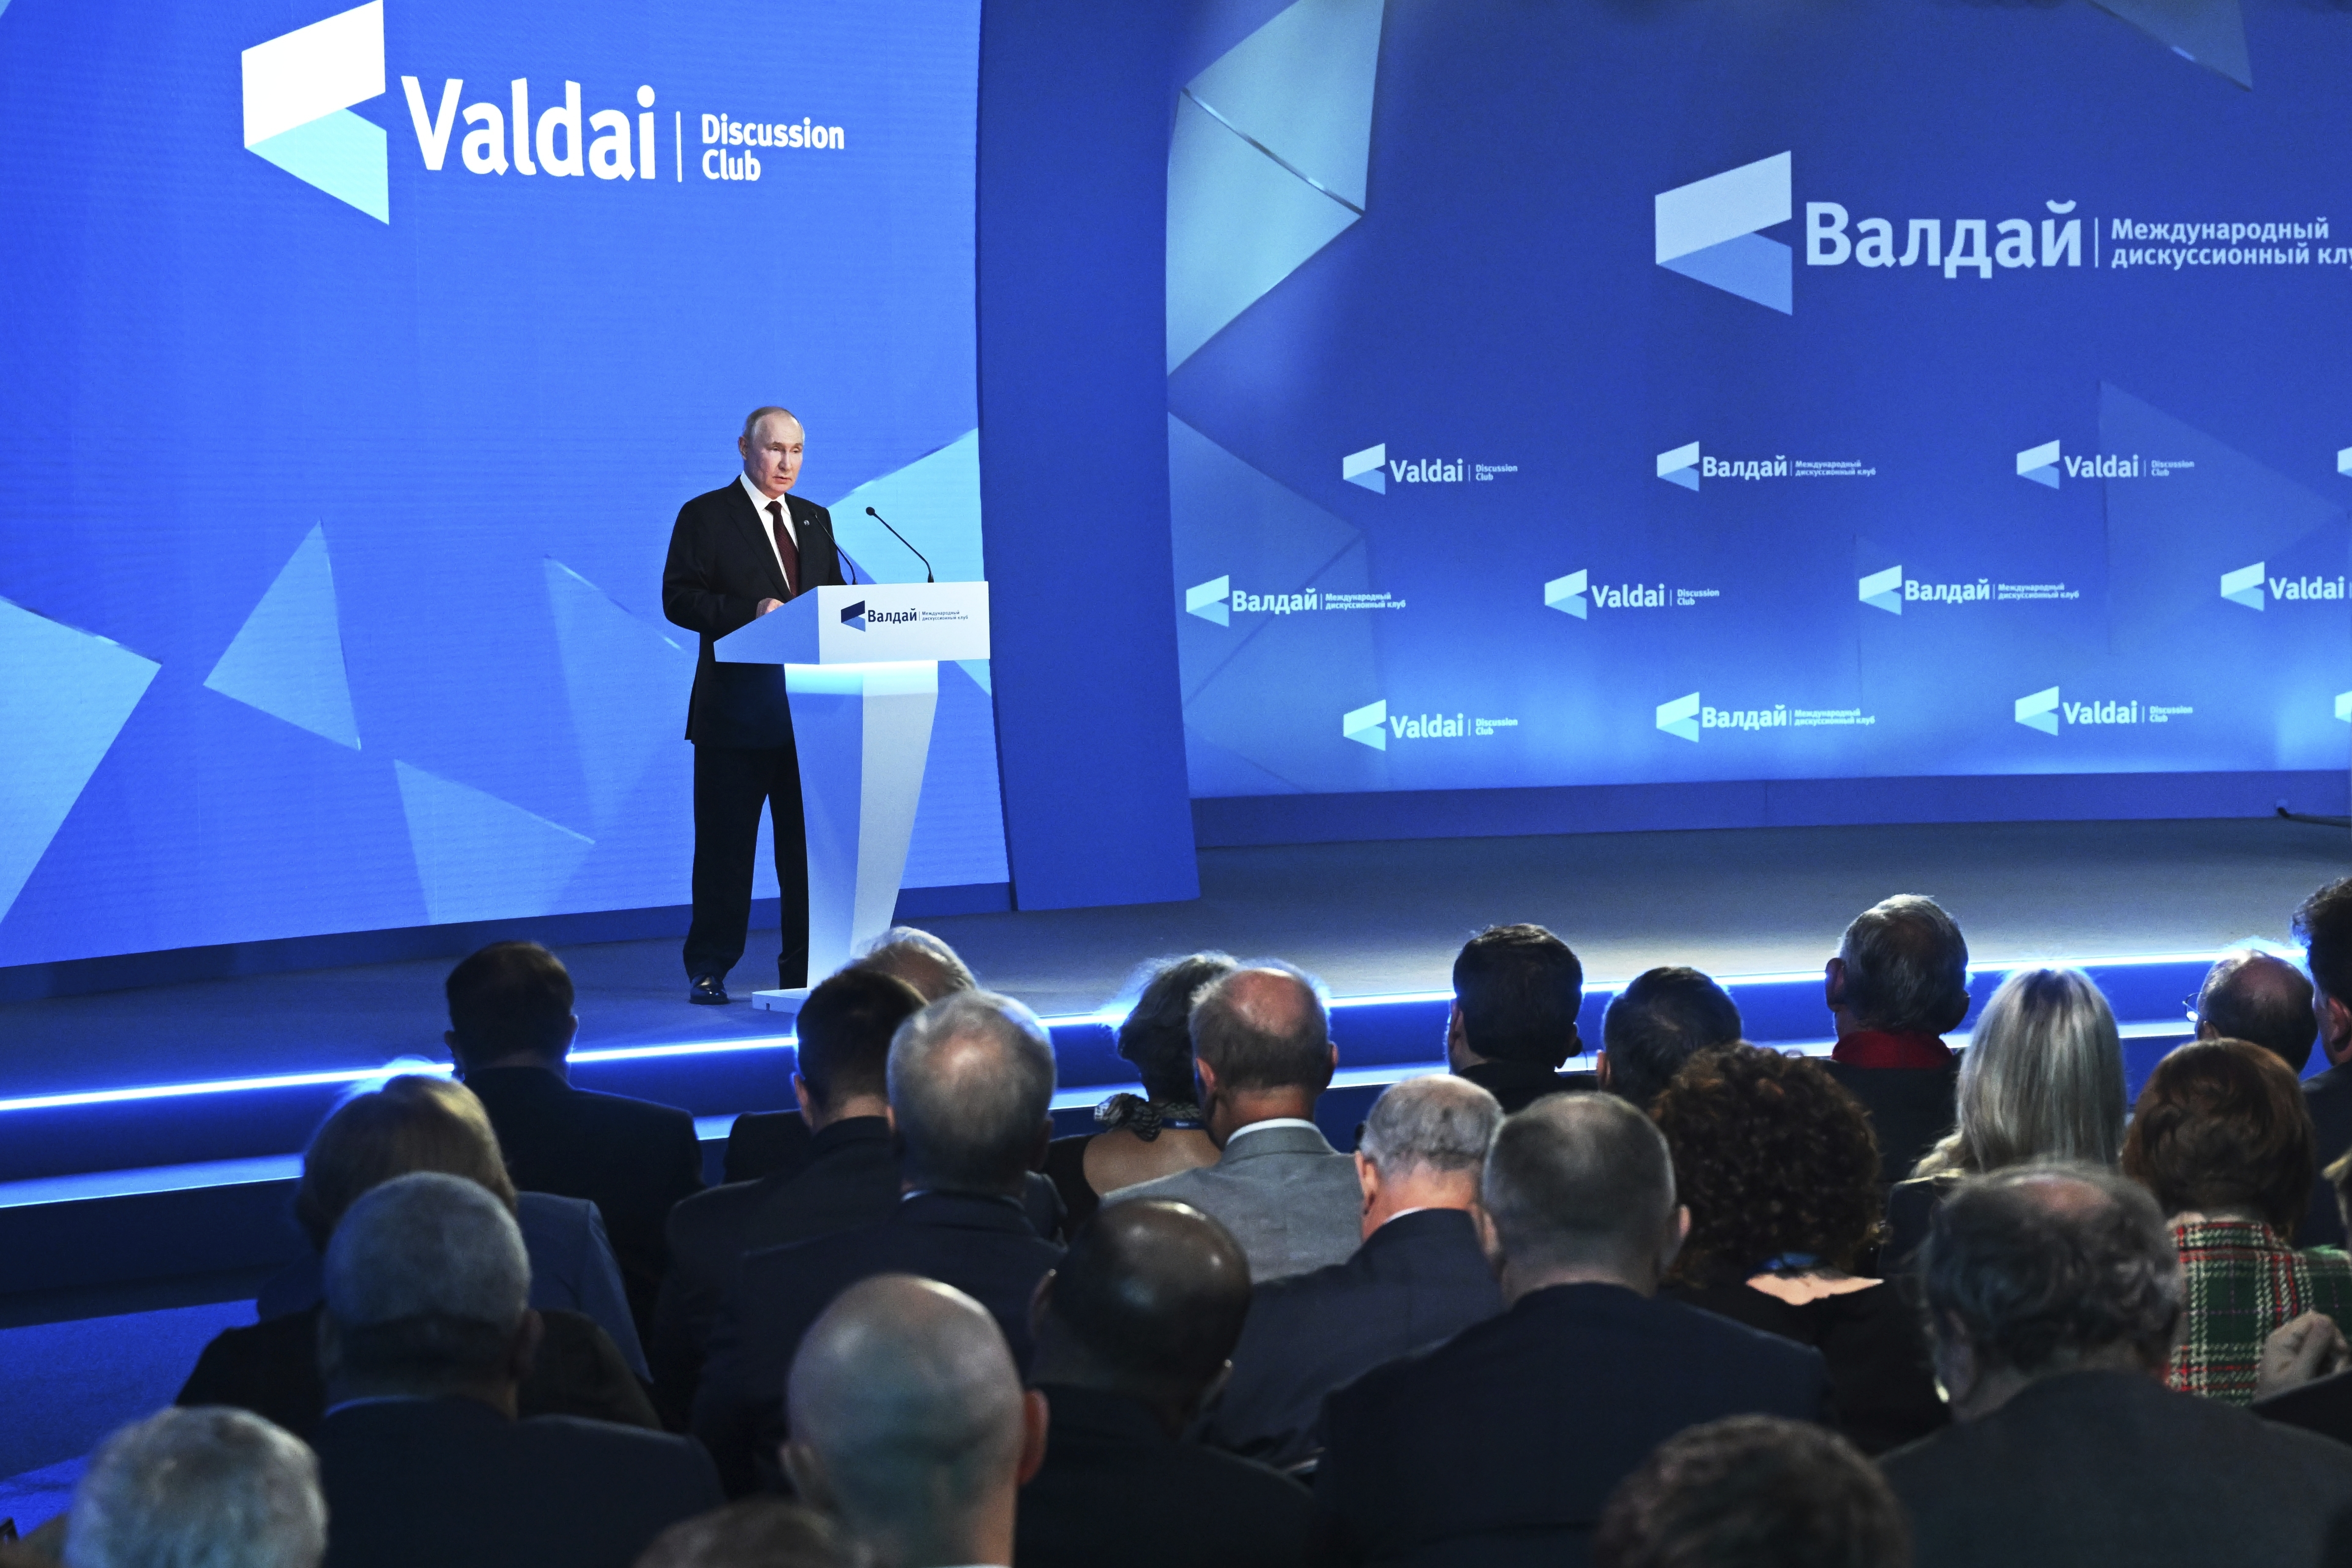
972	1089
2262	1000
910	1423
1578	1188
1261	1049
1147	1303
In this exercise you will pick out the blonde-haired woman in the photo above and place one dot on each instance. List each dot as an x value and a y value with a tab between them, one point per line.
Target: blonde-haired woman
2042	1080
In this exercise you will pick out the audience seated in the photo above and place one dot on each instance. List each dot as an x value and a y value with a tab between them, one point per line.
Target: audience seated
1900	980
1516	992
2304	1378
971	1081
2324	926
1420	1277
776	1143
1660	1020
1776	1164
1144	1139
755	1532
510	1025
850	1180
1500	1446
1754	1491
418	1123
1262	1050
910	1424
2043	1080
427	1334
198	1489
2262	1000
2221	1138
1134	1327
2054	1296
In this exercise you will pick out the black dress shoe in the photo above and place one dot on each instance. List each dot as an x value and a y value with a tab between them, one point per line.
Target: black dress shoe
708	991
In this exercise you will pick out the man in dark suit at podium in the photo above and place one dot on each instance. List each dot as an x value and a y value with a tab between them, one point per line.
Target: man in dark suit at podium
736	554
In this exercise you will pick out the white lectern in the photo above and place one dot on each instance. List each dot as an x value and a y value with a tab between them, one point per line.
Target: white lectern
862	667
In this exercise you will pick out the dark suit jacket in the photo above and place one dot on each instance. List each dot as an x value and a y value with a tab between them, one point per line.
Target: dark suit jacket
765	1144
850	1180
2322	1405
2328	1095
1501	1445
1417	1279
721	564
1519	1085
453	1483
631	1158
1909	1109
982	1245
1116	1487
271	1368
2112	1467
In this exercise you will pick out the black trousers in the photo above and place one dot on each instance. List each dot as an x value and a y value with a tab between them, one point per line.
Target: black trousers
731	783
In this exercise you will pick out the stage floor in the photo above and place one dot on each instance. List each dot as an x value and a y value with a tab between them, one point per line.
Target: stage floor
1368	918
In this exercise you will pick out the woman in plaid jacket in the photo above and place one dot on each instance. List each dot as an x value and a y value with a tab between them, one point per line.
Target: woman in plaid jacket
2221	1137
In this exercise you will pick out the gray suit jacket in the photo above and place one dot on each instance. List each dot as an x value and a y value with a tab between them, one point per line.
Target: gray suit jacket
1289	1196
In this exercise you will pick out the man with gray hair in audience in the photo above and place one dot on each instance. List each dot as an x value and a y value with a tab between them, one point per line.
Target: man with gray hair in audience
199	1486
1420	1276
1262	1054
919	958
1502	1445
1900	980
2054	1295
970	1081
911	1426
427	1335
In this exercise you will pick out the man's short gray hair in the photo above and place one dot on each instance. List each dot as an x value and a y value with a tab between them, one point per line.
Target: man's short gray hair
1907	967
1576	1179
751	419
921	960
1438	1122
427	1245
201	1487
2043	1268
971	1082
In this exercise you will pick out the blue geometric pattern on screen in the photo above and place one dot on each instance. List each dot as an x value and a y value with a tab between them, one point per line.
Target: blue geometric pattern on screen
481	858
287	658
64	696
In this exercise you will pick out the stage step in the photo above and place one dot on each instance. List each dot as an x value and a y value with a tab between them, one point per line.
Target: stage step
109	1188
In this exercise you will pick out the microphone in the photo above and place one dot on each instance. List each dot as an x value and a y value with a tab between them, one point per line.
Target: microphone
839	553
902	539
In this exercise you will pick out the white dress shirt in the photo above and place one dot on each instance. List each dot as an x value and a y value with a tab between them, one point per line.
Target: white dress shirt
1267	1125
767	524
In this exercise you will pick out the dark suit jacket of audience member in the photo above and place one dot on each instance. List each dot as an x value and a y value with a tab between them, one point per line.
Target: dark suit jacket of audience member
1116	1487
572	1266
981	1245
453	1484
1882	1382
1501	1445
1909	1109
2322	1405
850	1179
631	1158
1419	1278
1516	1085
271	1368
778	1143
1910	1210
2113	1467
2329	1096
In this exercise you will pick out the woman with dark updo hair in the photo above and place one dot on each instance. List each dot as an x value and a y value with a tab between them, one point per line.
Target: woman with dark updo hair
1777	1164
1142	1138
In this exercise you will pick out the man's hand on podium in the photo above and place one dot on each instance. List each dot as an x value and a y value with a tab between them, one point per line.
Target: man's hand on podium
767	604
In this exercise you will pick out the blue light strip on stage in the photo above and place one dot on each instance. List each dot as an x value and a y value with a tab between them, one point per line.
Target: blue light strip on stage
1101	1018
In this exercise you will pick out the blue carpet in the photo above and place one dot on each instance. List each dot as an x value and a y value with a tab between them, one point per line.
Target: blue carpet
71	1384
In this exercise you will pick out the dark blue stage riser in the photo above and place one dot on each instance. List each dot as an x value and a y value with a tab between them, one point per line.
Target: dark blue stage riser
160	1222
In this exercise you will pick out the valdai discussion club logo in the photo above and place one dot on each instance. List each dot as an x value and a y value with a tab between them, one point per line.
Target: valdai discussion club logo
1372	724
299	88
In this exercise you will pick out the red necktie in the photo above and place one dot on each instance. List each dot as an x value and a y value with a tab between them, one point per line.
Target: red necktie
786	551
